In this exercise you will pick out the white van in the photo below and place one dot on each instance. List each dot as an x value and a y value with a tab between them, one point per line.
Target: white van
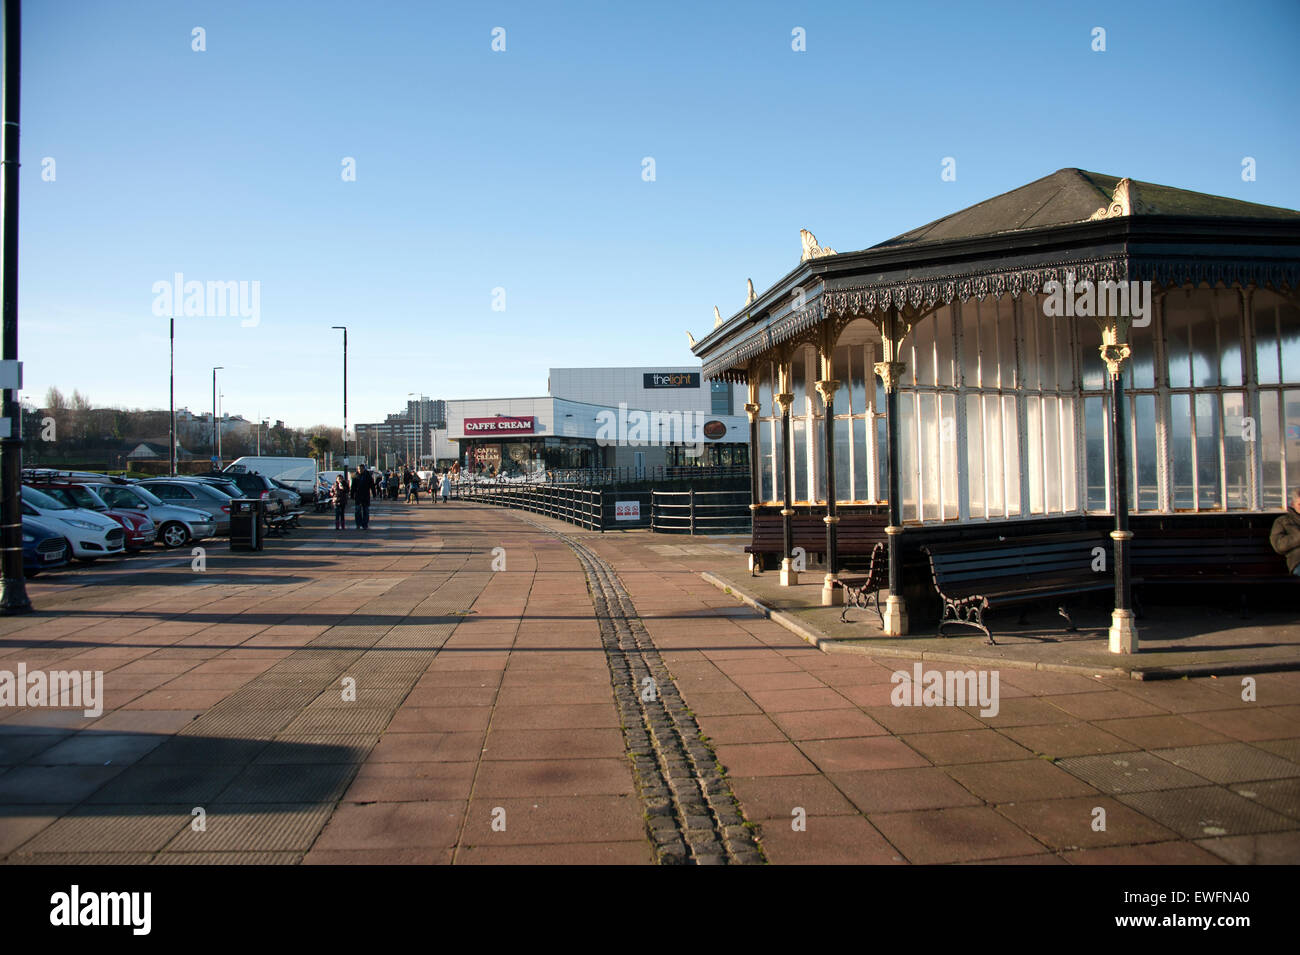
298	473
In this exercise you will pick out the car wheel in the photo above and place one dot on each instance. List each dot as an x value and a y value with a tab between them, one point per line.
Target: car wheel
174	535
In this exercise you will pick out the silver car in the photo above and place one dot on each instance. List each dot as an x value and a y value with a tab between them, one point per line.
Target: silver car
177	526
187	492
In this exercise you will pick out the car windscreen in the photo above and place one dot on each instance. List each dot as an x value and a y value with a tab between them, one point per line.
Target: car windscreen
40	499
79	496
147	495
211	492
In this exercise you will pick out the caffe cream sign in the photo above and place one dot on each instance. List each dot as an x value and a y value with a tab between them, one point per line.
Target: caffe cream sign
501	424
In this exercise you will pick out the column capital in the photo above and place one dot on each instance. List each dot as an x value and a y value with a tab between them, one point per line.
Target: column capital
784	400
890	373
752	409
1113	351
827	387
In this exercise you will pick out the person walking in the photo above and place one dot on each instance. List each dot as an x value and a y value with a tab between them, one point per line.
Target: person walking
446	486
413	492
433	485
339	497
362	487
406	483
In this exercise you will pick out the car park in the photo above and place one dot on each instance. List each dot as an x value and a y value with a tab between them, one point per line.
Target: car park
188	492
92	535
44	548
140	529
177	526
258	486
297	473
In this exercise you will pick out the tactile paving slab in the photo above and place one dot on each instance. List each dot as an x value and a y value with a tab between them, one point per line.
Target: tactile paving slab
264	827
282	783
1230	762
1129	772
1208	811
88	830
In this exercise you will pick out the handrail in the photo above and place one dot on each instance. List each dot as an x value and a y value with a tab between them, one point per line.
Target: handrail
699	516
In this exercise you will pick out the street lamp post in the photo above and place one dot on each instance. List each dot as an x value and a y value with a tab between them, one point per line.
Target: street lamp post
171	399
344	329
216	453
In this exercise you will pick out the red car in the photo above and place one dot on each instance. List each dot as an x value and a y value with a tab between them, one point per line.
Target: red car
140	530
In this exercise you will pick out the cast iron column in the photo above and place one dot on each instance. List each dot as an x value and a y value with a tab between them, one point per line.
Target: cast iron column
789	575
890	373
831	595
755	489
1123	631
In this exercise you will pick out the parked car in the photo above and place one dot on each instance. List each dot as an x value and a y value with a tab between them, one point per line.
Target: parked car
140	530
44	548
258	486
298	473
188	492
177	526
296	500
91	534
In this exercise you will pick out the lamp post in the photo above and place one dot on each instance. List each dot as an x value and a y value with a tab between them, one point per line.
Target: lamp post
216	453
171	399
344	329
13	587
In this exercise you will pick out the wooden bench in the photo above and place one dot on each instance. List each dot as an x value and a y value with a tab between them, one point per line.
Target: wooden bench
281	524
1191	556
863	590
856	536
973	577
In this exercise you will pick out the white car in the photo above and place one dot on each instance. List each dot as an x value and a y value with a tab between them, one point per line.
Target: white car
91	534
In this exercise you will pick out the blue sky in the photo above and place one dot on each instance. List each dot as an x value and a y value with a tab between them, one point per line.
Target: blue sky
522	170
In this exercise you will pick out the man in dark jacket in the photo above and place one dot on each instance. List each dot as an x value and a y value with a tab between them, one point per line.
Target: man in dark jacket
362	486
1286	533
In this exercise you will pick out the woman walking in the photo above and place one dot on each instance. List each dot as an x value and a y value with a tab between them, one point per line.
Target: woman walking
446	486
339	498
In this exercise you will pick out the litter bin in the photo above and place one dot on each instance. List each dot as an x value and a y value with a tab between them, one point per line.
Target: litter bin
247	515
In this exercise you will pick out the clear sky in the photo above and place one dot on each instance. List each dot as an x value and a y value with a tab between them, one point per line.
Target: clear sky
523	169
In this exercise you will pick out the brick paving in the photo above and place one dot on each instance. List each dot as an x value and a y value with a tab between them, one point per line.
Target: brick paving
486	728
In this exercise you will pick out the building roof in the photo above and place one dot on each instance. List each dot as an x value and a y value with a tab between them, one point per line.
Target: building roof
1076	195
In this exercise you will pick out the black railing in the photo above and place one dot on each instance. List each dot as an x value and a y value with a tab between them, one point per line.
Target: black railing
700	512
596	477
577	505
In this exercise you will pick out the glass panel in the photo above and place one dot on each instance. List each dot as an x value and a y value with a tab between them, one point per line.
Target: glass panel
1006	343
799	379
818	426
1270	451
1069	492
1180	449
765	389
1266	355
861	461
1292	418
1146	496
840	371
799	440
1288	318
882	479
1093	368
1235	458
929	436
1142	369
922	370
1205	343
970	343
1038	336
975	455
994	455
908	471
948	453
1062	330
1052	453
844	486
1207	452
767	479
1228	306
1094	449
857	380
1177	315
988	344
944	346
1034	444
1011	452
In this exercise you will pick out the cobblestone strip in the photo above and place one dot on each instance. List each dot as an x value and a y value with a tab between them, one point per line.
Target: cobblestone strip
693	817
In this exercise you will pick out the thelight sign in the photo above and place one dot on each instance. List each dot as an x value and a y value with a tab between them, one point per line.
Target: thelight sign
500	425
671	379
627	510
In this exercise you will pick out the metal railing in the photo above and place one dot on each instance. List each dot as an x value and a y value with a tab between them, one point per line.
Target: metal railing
577	505
595	477
700	512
